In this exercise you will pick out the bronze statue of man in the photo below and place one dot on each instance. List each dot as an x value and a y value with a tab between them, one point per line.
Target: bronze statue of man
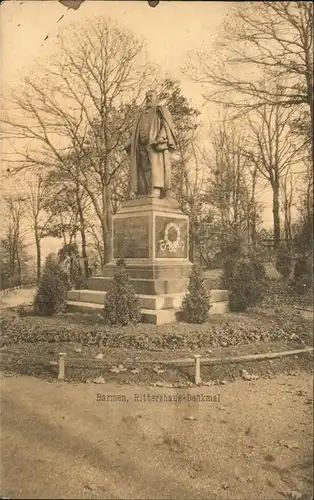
152	140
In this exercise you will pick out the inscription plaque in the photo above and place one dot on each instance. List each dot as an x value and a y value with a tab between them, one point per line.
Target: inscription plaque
171	237
131	237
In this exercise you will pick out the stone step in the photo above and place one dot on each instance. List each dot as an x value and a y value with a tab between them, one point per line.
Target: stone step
97	296
161	317
153	316
94	296
163	301
219	296
143	286
77	306
219	307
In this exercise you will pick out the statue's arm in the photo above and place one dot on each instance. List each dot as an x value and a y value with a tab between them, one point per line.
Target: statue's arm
162	134
167	129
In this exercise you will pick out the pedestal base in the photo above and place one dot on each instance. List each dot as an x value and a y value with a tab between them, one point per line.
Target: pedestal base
152	236
156	309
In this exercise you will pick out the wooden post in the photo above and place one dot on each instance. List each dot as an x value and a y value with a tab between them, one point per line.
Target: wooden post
61	365
197	358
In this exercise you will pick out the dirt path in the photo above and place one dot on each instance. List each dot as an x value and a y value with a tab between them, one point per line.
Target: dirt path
17	298
58	441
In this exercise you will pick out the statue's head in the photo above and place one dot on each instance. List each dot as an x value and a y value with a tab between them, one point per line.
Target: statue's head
150	99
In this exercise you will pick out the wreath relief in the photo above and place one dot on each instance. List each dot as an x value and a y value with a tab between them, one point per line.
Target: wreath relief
172	238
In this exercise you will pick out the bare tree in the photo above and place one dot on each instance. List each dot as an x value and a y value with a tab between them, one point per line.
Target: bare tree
78	106
233	182
273	151
272	40
305	188
13	246
75	199
192	192
303	225
287	197
95	233
36	194
61	204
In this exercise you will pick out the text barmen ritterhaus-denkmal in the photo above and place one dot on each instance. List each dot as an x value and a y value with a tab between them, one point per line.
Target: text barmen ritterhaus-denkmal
146	397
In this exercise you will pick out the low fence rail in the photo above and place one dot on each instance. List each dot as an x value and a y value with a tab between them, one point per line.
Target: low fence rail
62	359
197	360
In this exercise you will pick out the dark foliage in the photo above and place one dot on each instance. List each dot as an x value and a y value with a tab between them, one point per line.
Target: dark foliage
195	305
221	331
121	302
303	274
50	297
284	263
230	254
247	283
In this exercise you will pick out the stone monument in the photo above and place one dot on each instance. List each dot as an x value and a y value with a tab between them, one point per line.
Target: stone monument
149	231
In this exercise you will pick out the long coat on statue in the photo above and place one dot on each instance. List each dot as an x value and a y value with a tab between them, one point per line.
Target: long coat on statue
153	136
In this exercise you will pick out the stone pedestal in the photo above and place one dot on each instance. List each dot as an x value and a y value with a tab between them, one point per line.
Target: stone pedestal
152	235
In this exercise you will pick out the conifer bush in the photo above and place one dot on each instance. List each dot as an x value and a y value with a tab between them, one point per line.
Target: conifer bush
51	293
195	305
232	252
284	262
303	274
121	305
247	284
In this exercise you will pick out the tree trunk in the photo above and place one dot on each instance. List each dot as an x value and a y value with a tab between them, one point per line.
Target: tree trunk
253	231
84	254
83	237
288	236
104	242
276	214
38	254
191	245
109	250
72	277
19	270
82	225
106	225
311	106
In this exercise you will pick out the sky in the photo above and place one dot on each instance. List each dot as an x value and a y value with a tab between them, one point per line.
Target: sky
172	29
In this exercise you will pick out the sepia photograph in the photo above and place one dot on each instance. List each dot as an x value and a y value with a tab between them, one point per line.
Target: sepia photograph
156	250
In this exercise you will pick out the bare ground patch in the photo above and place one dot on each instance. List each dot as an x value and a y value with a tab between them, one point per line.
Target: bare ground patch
58	441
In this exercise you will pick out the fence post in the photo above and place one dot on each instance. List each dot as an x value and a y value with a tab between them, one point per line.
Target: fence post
61	365
197	358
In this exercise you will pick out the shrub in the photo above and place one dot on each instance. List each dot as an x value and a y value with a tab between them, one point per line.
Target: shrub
81	283
303	274
284	261
228	267
279	295
232	252
195	305
247	283
51	292
121	303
